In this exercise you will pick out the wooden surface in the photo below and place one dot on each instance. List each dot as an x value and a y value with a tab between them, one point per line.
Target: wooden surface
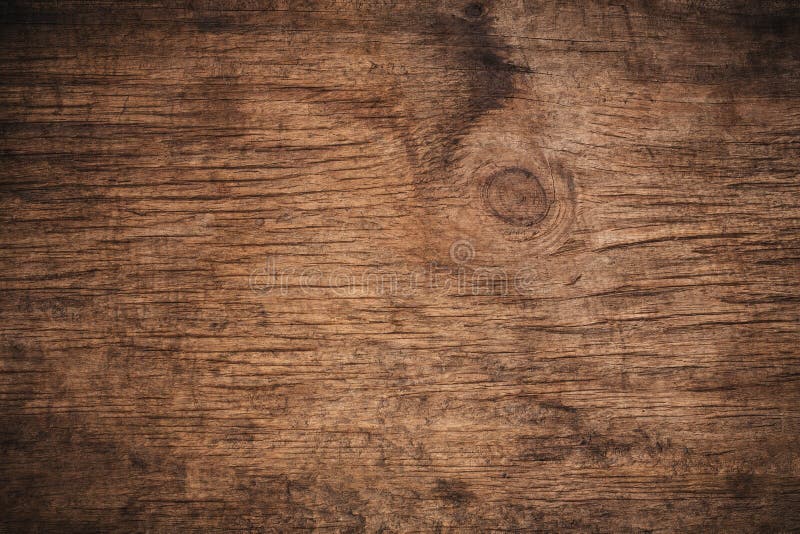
394	266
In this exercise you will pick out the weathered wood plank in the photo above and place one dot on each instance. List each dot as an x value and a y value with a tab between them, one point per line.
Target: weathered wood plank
400	266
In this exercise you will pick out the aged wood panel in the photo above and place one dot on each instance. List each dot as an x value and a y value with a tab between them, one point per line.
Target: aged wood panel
395	266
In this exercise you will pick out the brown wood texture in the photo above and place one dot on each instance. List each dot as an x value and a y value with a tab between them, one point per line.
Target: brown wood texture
398	266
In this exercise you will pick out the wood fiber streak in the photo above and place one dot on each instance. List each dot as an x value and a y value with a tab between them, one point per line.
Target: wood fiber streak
192	195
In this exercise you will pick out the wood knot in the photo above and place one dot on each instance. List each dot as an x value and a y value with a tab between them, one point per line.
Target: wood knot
474	10
515	196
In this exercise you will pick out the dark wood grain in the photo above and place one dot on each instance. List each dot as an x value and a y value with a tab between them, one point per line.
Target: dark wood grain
393	266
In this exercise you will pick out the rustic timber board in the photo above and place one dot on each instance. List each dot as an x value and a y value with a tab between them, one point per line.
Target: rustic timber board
400	266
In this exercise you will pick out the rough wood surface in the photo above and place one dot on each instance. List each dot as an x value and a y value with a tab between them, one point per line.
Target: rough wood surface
395	266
